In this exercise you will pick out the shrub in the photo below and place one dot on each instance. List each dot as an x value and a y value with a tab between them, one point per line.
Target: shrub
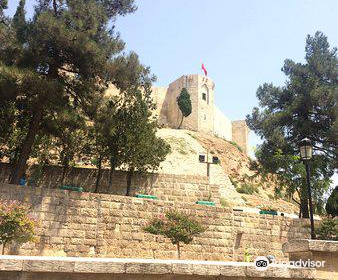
247	189
180	145
233	182
328	229
192	135
332	203
271	197
244	198
268	208
247	255
279	193
176	226
236	145
224	202
15	223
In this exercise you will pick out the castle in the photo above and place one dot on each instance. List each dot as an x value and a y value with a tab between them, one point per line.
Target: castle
205	116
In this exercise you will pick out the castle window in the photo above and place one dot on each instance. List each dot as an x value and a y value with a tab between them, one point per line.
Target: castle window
205	93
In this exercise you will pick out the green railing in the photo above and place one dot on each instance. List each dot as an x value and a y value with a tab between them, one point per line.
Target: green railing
146	196
208	203
72	188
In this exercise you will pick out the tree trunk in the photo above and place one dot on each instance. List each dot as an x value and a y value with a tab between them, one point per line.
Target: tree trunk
300	208
64	171
20	167
3	248
178	250
98	177
111	173
181	122
129	177
304	204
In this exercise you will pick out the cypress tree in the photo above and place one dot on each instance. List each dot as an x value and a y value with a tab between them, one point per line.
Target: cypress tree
184	104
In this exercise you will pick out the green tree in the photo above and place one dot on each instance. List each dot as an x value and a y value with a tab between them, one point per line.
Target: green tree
62	57
3	6
100	134
142	150
15	224
178	227
328	229
304	107
69	130
331	206
184	104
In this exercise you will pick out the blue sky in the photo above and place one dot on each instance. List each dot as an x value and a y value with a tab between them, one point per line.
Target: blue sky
242	43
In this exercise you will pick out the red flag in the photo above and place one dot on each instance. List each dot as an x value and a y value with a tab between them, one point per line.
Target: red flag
204	69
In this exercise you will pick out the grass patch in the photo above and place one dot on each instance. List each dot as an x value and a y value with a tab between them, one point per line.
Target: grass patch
247	189
224	202
244	198
236	145
271	197
179	144
233	182
192	135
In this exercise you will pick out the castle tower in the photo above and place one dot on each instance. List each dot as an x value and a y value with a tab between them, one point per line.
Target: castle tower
240	135
201	91
205	116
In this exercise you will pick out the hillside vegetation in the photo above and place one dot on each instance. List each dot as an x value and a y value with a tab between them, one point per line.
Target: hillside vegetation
241	185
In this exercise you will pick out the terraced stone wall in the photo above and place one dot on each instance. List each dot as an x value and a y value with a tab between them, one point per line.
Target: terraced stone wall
103	225
169	187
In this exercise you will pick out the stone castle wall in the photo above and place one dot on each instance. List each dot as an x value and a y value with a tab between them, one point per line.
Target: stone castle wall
240	135
202	115
206	107
169	187
174	114
222	125
159	96
205	116
101	225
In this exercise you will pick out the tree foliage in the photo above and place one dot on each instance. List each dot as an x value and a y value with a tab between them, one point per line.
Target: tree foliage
178	227
331	206
306	106
328	229
59	59
15	223
142	150
55	69
184	104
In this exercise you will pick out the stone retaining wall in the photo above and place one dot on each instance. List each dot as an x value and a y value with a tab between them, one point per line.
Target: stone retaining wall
167	187
324	251
102	225
42	268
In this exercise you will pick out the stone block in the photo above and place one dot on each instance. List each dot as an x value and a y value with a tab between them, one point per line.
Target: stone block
41	265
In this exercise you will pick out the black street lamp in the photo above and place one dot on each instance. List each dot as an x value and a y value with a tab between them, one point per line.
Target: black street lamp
305	148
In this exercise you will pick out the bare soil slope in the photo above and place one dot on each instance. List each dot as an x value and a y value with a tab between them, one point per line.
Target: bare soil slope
233	173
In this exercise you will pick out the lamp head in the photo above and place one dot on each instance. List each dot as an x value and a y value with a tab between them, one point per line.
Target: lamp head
305	148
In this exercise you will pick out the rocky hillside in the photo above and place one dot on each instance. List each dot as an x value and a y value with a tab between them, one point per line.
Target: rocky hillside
239	184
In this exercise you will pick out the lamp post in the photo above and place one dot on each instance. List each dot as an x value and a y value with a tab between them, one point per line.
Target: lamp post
305	149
